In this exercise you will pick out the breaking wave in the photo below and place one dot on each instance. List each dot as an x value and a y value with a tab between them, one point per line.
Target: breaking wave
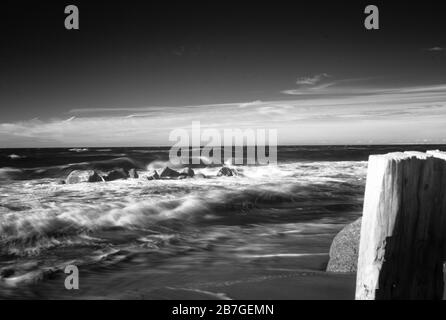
45	225
62	171
46	214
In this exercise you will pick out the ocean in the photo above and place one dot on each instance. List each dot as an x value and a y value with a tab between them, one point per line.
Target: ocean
201	238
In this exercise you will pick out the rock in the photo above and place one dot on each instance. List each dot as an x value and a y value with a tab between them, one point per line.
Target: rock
133	174
153	176
187	172
116	175
200	175
345	248
80	176
228	172
166	172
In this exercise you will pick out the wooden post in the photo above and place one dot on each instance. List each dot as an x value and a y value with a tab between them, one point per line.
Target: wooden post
403	232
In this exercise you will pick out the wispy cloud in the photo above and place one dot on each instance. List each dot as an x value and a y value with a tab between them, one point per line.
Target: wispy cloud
271	109
313	80
322	84
152	110
70	119
311	84
378	115
436	49
250	104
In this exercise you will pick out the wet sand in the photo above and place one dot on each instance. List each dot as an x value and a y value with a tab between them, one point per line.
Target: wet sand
298	286
256	280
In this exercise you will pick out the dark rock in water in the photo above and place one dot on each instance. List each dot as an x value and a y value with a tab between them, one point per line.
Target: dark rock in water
116	175
80	176
225	171
344	249
153	176
187	172
168	173
133	174
7	272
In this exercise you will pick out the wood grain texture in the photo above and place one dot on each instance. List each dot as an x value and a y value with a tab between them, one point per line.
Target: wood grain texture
402	246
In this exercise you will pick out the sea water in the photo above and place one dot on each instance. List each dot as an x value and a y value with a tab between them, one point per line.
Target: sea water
186	238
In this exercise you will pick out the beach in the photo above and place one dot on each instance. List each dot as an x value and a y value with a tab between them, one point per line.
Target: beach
262	234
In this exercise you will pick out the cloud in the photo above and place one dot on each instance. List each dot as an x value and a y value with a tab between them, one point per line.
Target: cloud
318	85
385	115
250	104
149	110
311	81
436	49
319	89
70	119
272	109
311	85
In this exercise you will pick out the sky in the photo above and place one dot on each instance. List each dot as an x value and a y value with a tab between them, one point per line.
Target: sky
135	71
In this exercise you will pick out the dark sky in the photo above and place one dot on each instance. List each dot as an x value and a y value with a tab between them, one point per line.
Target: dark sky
135	54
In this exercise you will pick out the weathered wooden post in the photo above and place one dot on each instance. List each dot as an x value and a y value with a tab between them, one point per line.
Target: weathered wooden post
403	232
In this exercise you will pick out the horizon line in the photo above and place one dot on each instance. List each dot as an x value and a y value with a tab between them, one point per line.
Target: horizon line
281	145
